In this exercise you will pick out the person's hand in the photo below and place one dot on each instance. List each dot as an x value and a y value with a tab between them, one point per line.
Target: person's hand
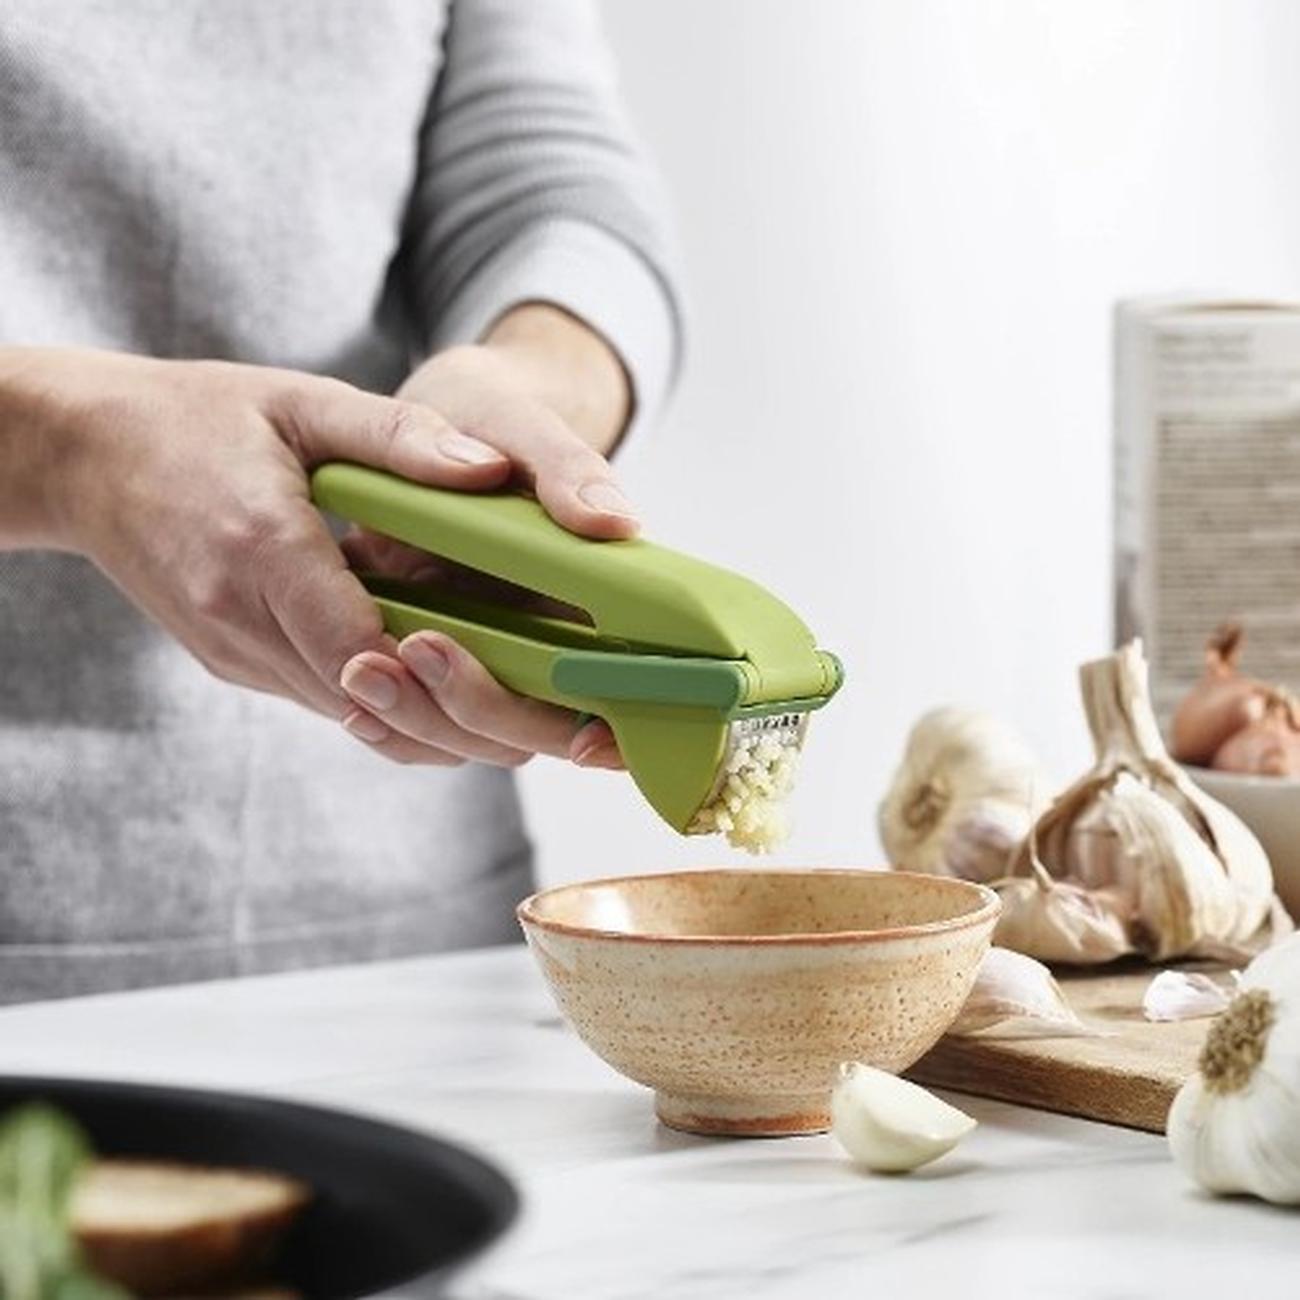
185	482
430	696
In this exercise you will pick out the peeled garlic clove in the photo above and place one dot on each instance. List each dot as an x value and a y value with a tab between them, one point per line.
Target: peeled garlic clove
890	1125
1177	995
1016	997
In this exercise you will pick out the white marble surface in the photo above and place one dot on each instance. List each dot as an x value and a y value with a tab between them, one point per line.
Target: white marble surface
469	1046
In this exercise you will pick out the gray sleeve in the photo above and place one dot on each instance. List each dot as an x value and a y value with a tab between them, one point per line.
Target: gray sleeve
532	188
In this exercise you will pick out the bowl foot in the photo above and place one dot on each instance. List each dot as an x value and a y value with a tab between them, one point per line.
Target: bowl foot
745	1116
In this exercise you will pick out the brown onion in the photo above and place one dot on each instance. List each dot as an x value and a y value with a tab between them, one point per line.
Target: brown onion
1269	746
1221	704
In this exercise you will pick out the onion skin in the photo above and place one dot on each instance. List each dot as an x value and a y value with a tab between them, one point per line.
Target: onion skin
1223	703
1267	747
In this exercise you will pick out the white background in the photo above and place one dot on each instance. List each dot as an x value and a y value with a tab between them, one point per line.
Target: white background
904	224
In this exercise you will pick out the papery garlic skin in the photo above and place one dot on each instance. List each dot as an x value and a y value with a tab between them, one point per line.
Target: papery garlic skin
1056	920
1235	1124
1015	996
1178	885
889	1125
963	797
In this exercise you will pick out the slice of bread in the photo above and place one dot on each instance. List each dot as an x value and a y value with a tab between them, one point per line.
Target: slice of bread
157	1228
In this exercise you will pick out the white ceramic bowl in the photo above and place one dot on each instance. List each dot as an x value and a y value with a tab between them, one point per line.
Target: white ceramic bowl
1270	806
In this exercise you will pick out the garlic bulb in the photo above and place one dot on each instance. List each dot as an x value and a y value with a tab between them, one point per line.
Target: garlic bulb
1235	1125
1016	997
962	798
1168	871
889	1125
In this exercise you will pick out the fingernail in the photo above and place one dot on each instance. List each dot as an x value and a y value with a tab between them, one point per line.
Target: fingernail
605	755
602	495
467	450
375	689
364	727
427	662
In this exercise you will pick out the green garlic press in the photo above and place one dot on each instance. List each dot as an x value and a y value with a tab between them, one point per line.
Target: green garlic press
681	659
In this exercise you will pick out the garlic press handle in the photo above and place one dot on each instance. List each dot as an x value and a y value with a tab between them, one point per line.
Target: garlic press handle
519	663
634	591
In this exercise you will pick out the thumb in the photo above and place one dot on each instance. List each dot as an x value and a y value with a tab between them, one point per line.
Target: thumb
326	419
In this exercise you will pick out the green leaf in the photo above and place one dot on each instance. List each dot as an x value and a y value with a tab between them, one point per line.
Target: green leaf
42	1152
81	1286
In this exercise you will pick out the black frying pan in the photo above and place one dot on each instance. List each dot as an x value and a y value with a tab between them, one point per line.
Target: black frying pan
393	1208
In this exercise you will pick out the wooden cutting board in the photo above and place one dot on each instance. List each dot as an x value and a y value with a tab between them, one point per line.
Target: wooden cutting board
1127	1077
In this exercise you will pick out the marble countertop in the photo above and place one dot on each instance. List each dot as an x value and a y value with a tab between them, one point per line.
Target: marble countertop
617	1208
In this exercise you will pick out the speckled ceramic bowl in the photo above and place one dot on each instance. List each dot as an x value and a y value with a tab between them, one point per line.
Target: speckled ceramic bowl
735	995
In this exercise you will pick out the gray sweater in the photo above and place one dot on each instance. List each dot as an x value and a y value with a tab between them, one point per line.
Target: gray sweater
338	186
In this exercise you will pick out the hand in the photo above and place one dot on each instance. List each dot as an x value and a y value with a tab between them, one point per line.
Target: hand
186	483
430	697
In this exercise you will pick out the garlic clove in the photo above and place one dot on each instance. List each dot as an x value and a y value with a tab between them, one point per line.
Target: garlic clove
1059	921
1178	883
889	1125
1178	995
1244	860
980	842
1016	997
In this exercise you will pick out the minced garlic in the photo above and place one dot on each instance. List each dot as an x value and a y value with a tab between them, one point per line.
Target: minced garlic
750	806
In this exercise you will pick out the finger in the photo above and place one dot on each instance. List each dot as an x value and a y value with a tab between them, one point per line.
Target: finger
595	746
605	756
297	682
323	610
572	481
398	748
326	419
253	650
253	653
471	697
385	688
369	552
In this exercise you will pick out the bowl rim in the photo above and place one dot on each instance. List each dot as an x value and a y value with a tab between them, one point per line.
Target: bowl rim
988	910
1248	780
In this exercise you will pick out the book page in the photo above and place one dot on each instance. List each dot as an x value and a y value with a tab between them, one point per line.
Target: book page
1226	546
